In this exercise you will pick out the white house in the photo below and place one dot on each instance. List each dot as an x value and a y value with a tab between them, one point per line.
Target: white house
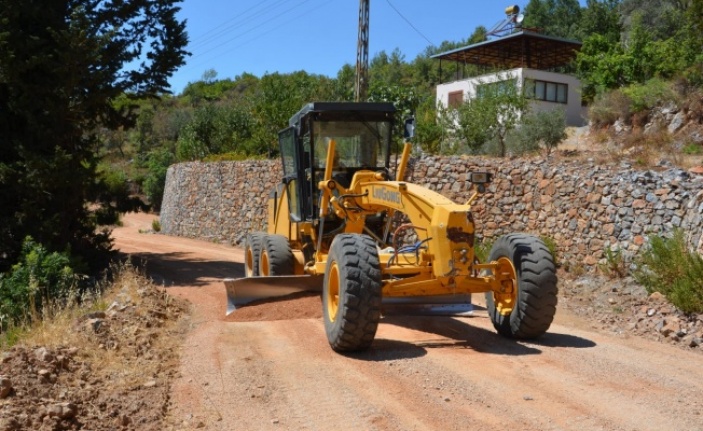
528	57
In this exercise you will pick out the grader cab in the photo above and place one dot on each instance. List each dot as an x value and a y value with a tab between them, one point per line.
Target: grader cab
343	222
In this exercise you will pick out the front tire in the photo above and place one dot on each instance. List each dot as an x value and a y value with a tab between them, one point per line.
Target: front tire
351	299
526	311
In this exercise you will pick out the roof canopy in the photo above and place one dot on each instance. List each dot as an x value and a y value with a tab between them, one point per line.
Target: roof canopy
522	49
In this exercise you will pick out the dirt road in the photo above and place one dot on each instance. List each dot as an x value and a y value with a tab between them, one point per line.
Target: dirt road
421	373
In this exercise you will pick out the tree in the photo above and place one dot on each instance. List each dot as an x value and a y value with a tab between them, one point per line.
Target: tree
489	116
601	17
62	63
558	18
542	128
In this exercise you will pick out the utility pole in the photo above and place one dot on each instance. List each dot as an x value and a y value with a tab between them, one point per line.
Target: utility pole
362	53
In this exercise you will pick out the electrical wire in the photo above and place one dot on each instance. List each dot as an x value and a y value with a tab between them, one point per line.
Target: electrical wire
409	23
253	28
213	33
269	20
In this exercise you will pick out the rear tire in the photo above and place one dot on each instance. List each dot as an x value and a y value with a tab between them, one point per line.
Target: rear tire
252	253
276	256
351	302
529	311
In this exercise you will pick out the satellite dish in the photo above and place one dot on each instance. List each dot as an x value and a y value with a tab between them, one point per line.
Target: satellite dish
519	19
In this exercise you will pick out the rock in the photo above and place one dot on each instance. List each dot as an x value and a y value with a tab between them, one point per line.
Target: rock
9	424
95	315
5	386
668	328
656	297
43	354
677	122
95	325
62	410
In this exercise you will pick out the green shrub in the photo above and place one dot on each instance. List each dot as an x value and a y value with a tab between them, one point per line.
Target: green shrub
615	265
693	149
644	97
552	247
543	129
39	280
483	248
156	225
669	267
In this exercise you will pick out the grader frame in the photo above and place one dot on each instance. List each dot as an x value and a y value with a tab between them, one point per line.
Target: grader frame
337	219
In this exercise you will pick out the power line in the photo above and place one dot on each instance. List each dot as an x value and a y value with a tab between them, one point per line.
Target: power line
208	36
258	36
250	30
409	23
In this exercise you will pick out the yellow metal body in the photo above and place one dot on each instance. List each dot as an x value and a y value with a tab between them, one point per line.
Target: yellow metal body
446	264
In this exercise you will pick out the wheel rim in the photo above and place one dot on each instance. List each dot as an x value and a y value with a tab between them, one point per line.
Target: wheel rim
507	279
264	264
249	263
333	292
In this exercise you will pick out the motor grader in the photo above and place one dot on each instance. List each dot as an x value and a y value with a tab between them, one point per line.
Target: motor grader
343	222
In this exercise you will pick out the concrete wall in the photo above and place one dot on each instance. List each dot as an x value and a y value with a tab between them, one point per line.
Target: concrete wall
583	206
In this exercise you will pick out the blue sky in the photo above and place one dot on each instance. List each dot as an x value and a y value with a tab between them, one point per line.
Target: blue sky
318	36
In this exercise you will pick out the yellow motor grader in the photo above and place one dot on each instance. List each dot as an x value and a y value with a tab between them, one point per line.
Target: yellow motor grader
342	221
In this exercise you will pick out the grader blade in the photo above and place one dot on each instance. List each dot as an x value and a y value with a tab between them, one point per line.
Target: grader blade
241	291
436	305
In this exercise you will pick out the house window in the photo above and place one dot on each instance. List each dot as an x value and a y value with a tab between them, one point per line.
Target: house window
456	98
547	91
498	88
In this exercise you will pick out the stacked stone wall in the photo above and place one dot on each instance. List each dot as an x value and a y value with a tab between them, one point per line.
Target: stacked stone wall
582	206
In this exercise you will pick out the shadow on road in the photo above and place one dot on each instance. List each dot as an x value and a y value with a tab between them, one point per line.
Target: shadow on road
175	269
551	339
455	333
388	350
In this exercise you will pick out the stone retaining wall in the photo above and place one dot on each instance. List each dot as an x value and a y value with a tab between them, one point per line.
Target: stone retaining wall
584	207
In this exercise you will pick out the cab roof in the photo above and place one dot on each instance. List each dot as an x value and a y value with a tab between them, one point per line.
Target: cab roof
339	109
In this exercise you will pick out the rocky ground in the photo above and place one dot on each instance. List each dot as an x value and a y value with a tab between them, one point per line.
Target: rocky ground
108	369
621	306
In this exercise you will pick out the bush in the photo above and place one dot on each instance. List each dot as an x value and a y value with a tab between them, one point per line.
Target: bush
615	265
652	93
39	280
552	247
545	129
669	267
482	249
608	107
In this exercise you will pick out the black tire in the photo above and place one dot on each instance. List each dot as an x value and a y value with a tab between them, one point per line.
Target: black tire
535	301
351	298
252	253
276	256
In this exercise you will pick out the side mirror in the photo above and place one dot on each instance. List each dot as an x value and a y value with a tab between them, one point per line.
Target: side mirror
481	179
409	128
